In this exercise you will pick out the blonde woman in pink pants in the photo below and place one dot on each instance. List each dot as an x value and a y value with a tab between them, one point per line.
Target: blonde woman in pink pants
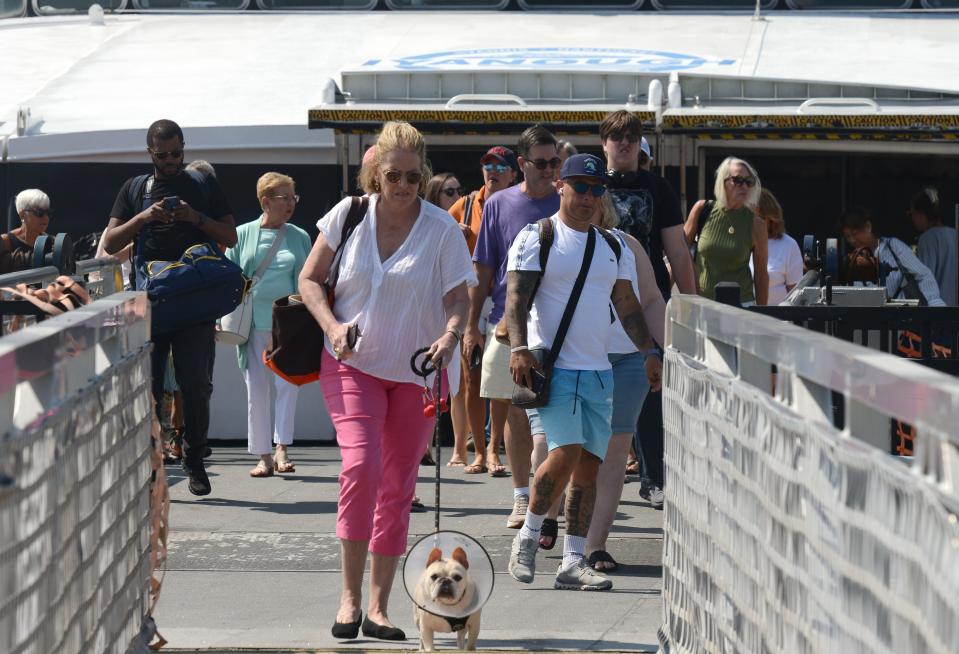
402	281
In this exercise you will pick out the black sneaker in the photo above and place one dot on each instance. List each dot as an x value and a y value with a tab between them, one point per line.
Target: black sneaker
207	452
199	482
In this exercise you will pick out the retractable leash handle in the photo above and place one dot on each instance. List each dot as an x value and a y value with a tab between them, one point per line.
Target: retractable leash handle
424	368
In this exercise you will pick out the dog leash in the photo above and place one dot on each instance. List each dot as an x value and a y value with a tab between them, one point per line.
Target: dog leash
433	405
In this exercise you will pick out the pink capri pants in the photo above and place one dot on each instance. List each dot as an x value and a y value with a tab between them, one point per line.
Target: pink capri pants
382	434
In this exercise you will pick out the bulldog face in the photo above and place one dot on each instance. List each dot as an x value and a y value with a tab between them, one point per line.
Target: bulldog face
447	581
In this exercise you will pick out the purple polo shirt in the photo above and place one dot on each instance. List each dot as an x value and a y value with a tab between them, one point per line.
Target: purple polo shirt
505	214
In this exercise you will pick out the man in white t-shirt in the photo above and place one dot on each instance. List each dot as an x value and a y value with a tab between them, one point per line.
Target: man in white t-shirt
577	418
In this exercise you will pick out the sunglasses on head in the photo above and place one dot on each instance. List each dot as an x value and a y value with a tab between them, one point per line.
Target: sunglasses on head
632	138
582	188
41	213
163	156
450	192
749	182
412	178
541	164
500	168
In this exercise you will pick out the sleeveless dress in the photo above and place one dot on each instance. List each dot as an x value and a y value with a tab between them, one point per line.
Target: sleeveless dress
725	245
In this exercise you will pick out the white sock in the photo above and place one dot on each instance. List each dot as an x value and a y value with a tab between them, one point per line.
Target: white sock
573	548
521	491
532	525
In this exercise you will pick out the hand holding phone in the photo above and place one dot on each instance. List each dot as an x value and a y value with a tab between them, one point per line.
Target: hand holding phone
171	203
476	357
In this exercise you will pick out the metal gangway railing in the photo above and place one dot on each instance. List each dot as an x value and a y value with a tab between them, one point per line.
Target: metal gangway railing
785	532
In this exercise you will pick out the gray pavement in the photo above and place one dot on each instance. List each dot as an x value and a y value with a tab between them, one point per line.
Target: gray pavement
255	566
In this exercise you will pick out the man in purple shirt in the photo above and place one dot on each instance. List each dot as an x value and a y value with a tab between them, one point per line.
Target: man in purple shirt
504	215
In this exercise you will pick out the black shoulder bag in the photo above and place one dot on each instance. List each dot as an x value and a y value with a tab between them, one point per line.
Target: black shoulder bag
704	212
538	395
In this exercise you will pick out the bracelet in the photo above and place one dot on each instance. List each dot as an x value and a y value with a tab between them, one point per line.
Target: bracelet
457	334
520	348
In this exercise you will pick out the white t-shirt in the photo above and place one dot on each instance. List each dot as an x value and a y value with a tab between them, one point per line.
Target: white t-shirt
619	341
587	341
398	303
784	266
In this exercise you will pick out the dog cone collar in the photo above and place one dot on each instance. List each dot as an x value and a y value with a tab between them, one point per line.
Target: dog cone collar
480	570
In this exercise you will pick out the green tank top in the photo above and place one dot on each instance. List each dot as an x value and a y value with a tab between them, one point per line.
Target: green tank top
725	245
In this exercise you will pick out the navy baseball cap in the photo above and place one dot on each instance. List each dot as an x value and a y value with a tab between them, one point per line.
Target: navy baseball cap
584	165
502	155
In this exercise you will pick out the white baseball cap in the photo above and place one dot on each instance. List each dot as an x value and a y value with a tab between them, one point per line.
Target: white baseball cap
644	146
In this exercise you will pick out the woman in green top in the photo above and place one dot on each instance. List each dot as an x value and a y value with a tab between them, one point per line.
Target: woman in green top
278	199
730	234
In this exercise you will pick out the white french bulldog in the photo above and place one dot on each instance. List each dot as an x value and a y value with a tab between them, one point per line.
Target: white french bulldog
447	583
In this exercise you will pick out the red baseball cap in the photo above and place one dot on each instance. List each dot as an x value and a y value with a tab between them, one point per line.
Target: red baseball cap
501	154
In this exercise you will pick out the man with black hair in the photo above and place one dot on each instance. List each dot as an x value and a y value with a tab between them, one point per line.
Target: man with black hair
504	216
163	215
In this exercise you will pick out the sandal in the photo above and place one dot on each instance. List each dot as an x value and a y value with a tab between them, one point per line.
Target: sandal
427	460
417	506
633	467
602	556
475	469
262	469
455	464
283	464
550	529
498	470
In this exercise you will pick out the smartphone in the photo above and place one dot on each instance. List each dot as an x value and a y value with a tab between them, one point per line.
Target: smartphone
171	203
476	357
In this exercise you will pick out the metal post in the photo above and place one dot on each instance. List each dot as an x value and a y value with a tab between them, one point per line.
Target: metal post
344	150
682	173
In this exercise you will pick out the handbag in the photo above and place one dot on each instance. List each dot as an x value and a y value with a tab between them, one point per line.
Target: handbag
234	327
296	341
537	394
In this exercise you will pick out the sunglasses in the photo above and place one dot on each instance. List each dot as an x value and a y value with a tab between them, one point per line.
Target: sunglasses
450	192
500	168
295	199
163	156
541	164
749	182
412	178
632	138
582	188
41	213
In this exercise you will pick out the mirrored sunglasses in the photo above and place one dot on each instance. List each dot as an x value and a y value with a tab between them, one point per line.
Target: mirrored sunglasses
500	168
169	154
632	138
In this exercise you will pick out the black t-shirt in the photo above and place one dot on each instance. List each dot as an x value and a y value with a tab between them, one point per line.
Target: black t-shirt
646	204
168	241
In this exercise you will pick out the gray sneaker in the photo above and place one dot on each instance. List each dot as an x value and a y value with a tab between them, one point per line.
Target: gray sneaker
522	559
657	497
518	516
580	576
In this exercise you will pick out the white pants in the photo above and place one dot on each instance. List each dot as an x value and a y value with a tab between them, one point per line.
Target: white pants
259	405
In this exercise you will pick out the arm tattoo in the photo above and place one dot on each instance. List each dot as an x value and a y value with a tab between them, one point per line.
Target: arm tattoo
631	316
543	487
579	509
519	288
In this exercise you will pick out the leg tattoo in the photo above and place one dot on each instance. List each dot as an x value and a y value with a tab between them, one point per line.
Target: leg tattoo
543	489
579	509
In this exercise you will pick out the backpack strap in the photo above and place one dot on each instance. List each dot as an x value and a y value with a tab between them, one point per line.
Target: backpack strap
545	226
612	242
468	208
201	181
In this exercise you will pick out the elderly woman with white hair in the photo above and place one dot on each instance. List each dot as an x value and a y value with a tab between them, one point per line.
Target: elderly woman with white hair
33	207
727	233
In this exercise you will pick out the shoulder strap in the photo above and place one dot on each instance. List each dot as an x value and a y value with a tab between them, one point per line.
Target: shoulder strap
573	301
468	208
357	212
201	181
704	213
281	234
907	279
545	226
138	189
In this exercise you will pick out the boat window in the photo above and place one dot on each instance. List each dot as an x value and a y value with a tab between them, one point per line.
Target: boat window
49	7
719	5
580	4
181	5
447	4
940	4
849	4
12	8
315	4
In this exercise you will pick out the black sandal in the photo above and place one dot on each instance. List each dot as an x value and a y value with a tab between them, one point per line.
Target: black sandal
550	529
604	557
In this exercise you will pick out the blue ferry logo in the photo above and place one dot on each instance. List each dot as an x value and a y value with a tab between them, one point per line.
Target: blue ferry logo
621	59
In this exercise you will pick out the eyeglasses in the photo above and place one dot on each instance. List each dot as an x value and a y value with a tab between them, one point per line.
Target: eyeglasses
412	178
632	138
541	164
749	182
295	199
163	156
583	188
450	192
41	213
500	168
